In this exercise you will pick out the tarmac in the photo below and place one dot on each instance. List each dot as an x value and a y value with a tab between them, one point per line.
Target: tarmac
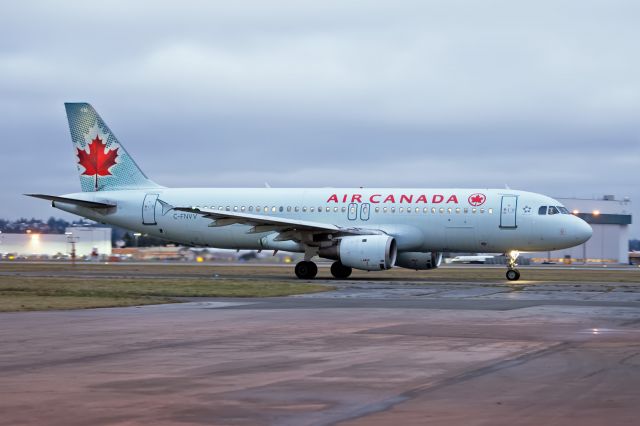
369	353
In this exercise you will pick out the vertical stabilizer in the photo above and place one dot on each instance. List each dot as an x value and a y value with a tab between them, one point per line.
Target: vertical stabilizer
103	163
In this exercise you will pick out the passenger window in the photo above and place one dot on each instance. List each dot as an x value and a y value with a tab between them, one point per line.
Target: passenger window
281	209
449	210
441	210
481	210
553	210
344	209
433	210
242	208
490	211
335	210
457	210
250	208
466	210
328	209
235	208
377	209
393	209
304	209
425	210
296	209
542	210
400	209
474	210
312	209
288	208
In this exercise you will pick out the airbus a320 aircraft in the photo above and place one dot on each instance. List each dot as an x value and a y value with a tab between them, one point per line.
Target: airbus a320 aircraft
368	229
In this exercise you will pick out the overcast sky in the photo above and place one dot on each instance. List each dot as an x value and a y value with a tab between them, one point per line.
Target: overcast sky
542	95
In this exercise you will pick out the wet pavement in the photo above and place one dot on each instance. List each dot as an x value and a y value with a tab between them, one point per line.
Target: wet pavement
369	353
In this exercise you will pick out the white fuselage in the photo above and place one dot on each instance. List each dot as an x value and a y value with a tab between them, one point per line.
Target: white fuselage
421	220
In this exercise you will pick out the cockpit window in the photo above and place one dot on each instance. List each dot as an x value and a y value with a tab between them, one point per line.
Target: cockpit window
563	210
542	210
553	210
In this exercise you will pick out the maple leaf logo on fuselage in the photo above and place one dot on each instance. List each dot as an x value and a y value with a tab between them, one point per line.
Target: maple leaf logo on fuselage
477	199
98	160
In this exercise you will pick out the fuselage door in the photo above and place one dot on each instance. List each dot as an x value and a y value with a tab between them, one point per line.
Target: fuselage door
149	209
364	211
508	209
352	213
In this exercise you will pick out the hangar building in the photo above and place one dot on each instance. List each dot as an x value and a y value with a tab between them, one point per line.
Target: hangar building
610	219
86	240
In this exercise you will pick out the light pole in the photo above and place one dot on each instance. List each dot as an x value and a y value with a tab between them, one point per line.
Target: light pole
72	240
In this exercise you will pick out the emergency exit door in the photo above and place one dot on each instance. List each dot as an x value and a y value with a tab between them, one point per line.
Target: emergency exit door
149	209
364	211
508	210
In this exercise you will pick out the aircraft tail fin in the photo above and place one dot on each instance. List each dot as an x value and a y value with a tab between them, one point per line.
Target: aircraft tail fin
103	163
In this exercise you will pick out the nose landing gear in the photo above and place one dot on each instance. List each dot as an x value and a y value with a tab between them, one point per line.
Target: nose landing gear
512	273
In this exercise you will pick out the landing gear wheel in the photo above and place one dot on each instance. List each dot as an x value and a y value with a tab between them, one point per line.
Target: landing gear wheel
306	270
513	275
338	270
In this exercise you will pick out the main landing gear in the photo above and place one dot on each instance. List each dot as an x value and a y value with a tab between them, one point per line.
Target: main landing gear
512	273
339	271
306	270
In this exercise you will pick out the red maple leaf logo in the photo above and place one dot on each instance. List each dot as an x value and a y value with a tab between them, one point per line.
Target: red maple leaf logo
98	161
477	199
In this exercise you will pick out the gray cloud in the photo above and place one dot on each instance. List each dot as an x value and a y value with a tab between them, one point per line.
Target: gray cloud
543	96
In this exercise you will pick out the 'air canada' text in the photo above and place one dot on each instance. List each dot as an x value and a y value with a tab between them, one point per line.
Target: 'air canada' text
393	198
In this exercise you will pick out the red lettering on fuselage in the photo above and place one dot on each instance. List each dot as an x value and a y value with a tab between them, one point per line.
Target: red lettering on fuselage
391	198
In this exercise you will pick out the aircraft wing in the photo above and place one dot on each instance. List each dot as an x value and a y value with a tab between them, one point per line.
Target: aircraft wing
264	223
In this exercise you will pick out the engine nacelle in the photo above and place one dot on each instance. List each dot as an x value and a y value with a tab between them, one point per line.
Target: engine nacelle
417	260
368	252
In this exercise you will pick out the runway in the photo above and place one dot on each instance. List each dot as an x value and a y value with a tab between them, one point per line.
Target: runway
368	353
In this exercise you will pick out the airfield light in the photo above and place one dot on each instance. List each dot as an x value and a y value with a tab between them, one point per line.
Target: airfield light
35	239
575	211
596	212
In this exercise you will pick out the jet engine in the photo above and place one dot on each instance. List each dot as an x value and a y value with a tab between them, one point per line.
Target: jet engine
417	260
367	252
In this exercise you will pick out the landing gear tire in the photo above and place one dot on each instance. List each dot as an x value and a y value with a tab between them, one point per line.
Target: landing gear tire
513	275
339	271
306	270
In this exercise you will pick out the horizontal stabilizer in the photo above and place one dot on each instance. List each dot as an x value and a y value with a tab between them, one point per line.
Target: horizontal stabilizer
81	203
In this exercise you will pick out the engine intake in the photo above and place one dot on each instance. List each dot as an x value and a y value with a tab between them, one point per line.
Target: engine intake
367	252
418	261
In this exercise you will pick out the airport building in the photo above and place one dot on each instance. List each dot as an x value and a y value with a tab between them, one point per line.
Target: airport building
610	219
87	241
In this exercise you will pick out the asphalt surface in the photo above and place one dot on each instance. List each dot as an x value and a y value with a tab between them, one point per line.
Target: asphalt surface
373	353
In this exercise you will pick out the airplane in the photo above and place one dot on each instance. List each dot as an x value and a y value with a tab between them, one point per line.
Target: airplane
368	229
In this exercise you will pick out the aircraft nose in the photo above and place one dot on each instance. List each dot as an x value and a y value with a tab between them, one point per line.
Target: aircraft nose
581	231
